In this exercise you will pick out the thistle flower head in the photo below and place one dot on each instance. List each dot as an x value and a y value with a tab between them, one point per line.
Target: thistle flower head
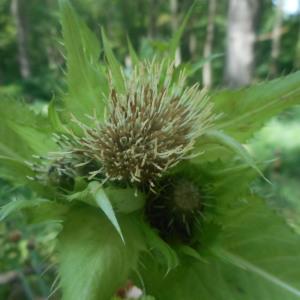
149	128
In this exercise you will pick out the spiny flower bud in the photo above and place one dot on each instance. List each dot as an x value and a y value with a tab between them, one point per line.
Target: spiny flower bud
149	128
177	209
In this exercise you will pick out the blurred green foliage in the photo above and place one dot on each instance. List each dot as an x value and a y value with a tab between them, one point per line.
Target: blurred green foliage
26	261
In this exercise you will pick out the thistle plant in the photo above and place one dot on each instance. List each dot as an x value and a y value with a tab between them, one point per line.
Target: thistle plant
149	179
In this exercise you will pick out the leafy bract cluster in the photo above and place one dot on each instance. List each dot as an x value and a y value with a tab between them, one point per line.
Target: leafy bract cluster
107	236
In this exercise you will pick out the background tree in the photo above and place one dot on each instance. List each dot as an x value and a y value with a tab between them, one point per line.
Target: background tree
276	37
240	42
207	52
18	11
174	7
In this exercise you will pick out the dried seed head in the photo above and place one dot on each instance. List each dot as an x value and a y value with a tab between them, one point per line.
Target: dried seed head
149	128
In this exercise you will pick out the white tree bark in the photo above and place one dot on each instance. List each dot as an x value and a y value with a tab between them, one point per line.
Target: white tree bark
240	42
174	26
207	51
24	62
276	38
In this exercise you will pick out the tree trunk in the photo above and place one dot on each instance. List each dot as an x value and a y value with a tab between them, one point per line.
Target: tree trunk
276	38
240	42
174	27
17	11
53	56
207	71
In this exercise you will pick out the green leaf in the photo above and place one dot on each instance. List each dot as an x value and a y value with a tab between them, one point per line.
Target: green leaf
46	211
19	173
123	200
244	111
104	203
14	170
215	280
17	205
163	253
115	67
189	251
246	265
110	200
22	132
214	137
37	140
255	249
86	80
257	239
94	262
54	118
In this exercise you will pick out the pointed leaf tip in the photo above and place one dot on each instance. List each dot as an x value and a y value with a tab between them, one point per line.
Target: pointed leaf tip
105	205
87	82
115	67
227	141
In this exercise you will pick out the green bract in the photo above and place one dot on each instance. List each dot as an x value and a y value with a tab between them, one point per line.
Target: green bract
149	179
